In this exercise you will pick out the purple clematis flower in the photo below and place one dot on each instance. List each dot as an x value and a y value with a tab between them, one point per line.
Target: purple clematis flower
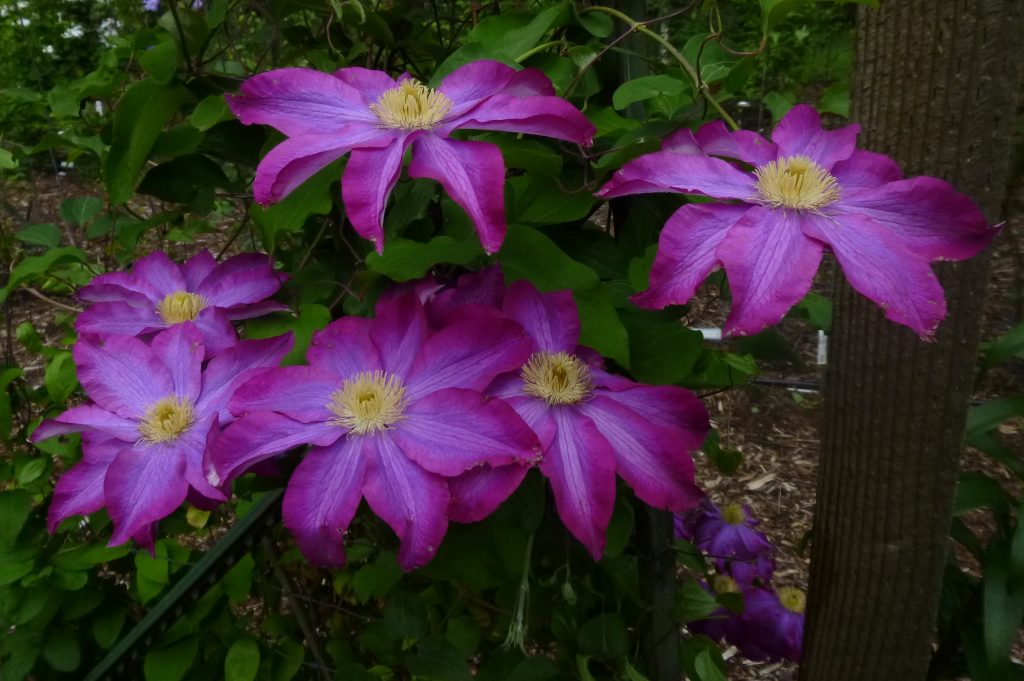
158	294
729	537
145	432
591	424
393	410
772	624
808	189
377	118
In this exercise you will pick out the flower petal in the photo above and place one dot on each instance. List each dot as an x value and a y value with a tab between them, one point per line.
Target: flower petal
667	171
241	279
344	347
121	374
236	365
370	83
399	332
322	496
799	133
667	406
581	467
451	431
551	319
218	332
473	174
927	215
866	170
411	500
472	82
770	264
301	393
88	418
369	177
79	491
478	493
250	310
118	317
118	286
181	350
298	158
195	443
259	436
197	268
654	462
143	485
687	252
547	116
160	272
299	102
879	267
468	353
743	145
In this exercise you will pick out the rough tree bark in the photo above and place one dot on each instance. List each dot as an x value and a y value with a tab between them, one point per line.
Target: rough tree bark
935	86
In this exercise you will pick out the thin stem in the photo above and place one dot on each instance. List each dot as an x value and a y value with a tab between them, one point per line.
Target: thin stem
181	32
539	48
698	83
51	301
517	627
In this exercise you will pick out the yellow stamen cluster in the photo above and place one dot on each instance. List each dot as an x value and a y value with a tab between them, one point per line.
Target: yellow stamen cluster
180	306
411	106
733	514
796	182
724	584
557	378
792	599
166	419
371	401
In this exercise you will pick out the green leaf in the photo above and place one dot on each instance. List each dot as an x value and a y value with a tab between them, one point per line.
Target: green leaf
107	627
598	24
7	376
779	103
7	161
39	264
600	325
604	636
773	11
209	112
404	259
312	197
438	659
1003	348
32	470
661	349
60	378
818	310
40	235
985	417
538	200
693	602
288	661
61	651
405	617
189	179
141	115
375	580
632	674
15	507
311	318
242	661
977	490
1003	605
172	662
646	87
160	61
726	461
706	667
836	100
464	633
529	254
23	656
238	580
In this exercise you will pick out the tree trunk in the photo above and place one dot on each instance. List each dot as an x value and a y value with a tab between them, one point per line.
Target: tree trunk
935	86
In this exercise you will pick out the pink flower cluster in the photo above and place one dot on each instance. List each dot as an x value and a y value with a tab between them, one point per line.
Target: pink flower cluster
433	410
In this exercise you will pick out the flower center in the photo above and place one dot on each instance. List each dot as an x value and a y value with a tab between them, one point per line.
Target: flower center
558	378
733	514
180	306
411	106
724	584
792	599
166	419
796	182
371	401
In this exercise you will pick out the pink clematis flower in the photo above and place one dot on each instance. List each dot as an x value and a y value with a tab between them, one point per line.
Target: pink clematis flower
377	118
145	432
591	425
158	293
807	190
393	410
